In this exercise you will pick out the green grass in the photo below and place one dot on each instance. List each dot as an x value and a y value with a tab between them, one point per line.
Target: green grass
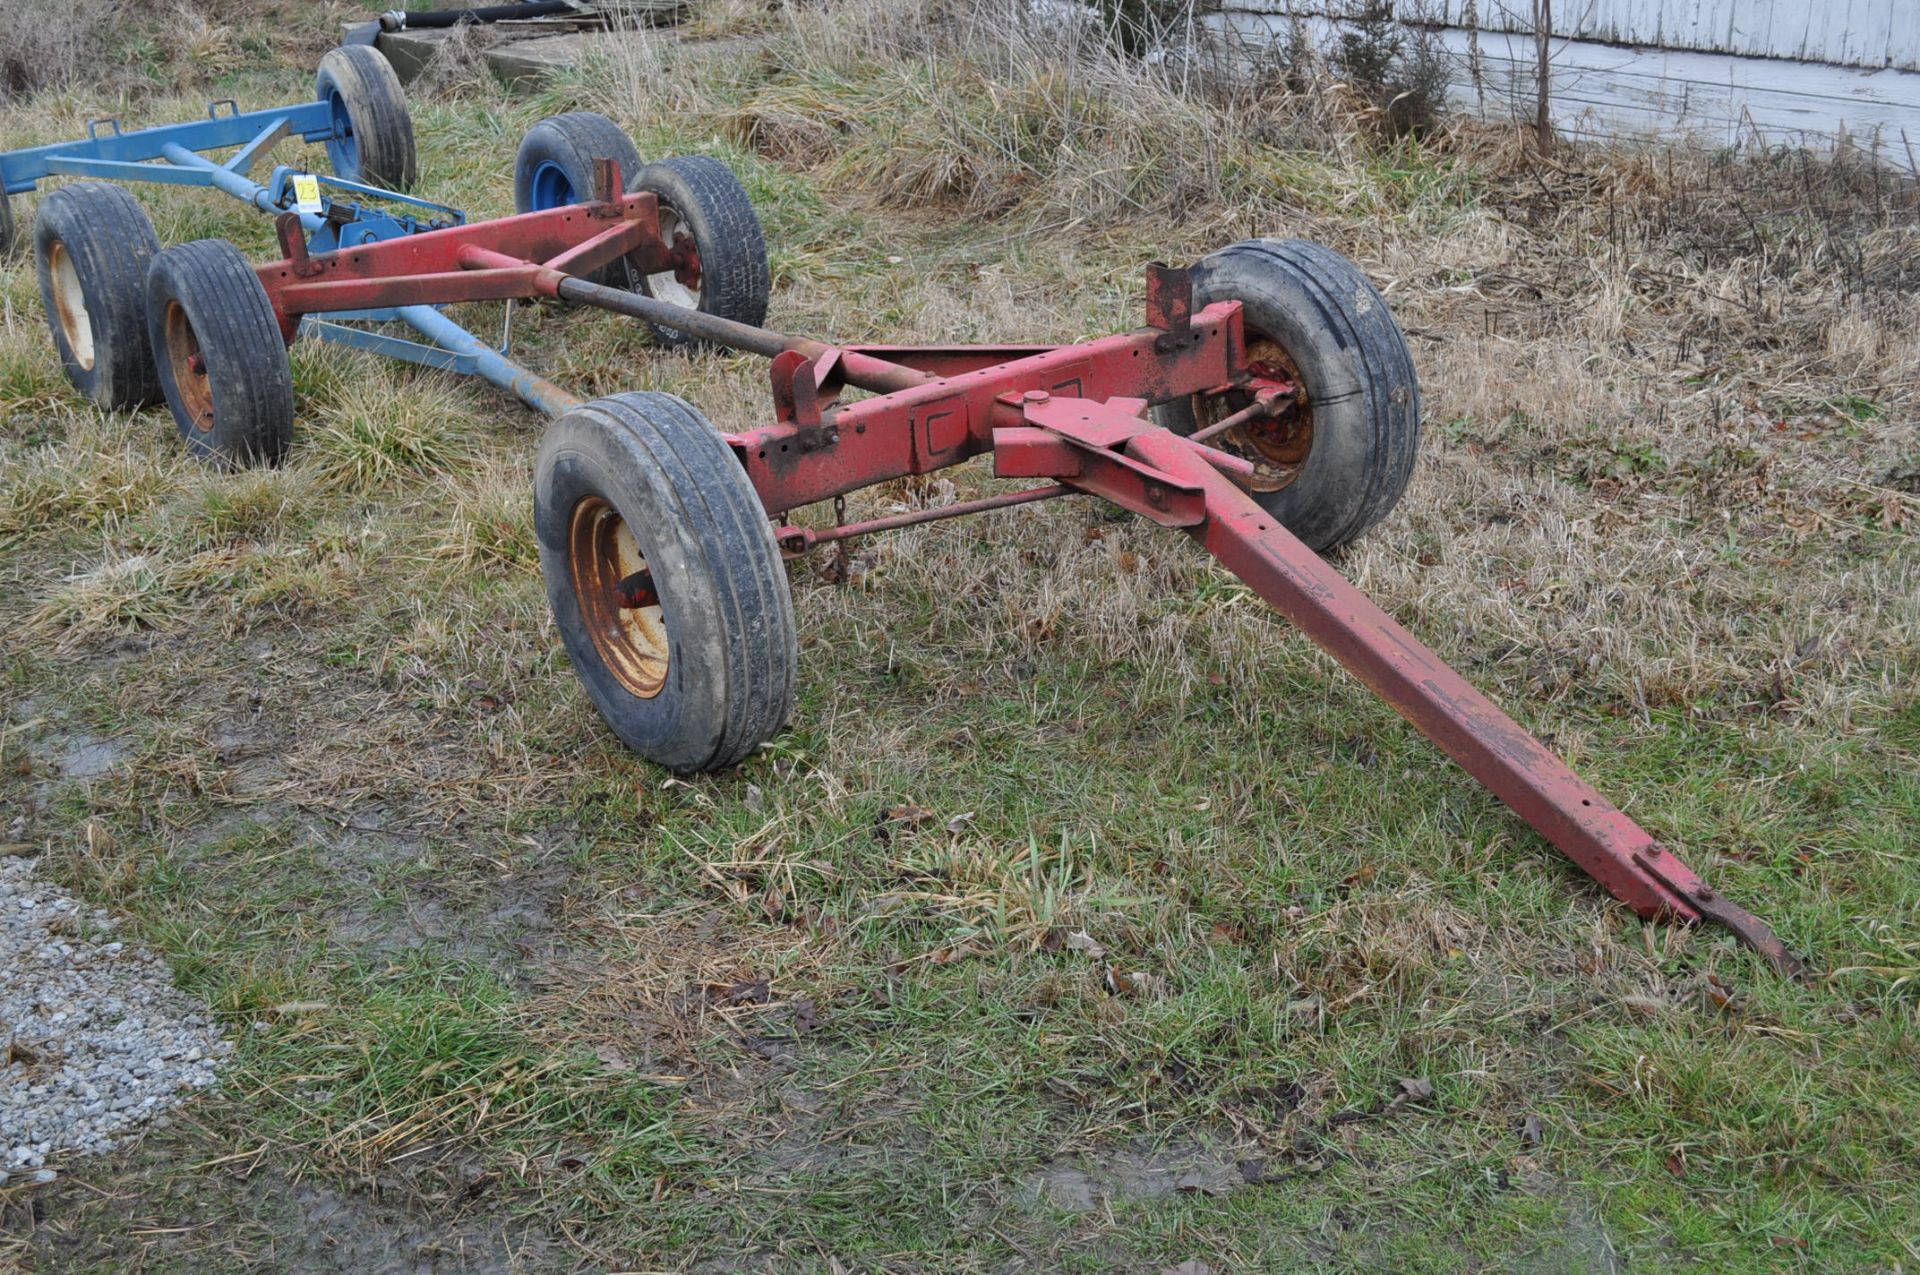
488	970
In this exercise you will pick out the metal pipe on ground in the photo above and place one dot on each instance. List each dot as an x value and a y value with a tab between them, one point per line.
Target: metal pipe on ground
489	364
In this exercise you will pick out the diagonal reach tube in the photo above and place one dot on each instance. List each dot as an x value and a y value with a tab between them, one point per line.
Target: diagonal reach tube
1465	724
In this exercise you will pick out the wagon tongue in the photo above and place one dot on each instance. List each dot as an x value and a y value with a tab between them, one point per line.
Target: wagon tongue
1713	906
1108	450
1469	727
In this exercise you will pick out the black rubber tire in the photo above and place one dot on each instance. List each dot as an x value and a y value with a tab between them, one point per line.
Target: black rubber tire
92	243
566	146
711	205
1358	373
362	85
724	598
204	298
554	167
7	229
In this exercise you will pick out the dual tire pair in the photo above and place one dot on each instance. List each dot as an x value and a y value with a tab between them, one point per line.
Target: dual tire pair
191	325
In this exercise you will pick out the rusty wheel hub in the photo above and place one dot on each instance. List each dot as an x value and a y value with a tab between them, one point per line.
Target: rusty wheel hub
681	285
1278	444
189	367
617	601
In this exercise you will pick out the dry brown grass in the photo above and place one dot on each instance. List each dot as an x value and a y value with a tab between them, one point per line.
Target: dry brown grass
661	986
48	43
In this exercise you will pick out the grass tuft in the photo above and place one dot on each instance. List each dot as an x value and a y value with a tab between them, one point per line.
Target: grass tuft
120	594
386	431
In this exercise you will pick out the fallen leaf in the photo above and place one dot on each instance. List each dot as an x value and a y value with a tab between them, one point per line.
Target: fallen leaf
1530	1131
1084	943
1412	1089
1135	983
948	955
748	992
1720	993
1677	1164
959	822
909	814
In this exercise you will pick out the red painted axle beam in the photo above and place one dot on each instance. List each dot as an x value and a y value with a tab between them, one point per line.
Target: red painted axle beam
942	421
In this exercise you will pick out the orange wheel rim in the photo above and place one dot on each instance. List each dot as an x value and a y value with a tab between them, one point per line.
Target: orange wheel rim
70	304
631	640
190	379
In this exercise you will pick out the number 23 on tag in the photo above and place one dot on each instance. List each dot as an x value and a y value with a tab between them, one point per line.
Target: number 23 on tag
306	193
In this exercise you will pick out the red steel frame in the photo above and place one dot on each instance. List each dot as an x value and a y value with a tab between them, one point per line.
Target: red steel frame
1074	415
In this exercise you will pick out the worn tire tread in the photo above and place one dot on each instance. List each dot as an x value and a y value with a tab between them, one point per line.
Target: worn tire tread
572	141
245	353
1344	307
731	561
377	105
111	241
735	278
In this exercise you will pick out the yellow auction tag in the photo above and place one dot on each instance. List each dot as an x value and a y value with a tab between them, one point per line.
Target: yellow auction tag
306	193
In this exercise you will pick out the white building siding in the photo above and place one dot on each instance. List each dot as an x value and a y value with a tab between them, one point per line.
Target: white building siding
1728	72
1859	33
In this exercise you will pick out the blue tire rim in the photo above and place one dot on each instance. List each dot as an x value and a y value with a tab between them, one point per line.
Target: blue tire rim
551	187
343	149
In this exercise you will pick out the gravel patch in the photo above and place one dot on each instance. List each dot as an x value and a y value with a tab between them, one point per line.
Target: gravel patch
95	1040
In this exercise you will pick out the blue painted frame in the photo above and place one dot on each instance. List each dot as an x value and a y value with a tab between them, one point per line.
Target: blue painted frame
107	152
